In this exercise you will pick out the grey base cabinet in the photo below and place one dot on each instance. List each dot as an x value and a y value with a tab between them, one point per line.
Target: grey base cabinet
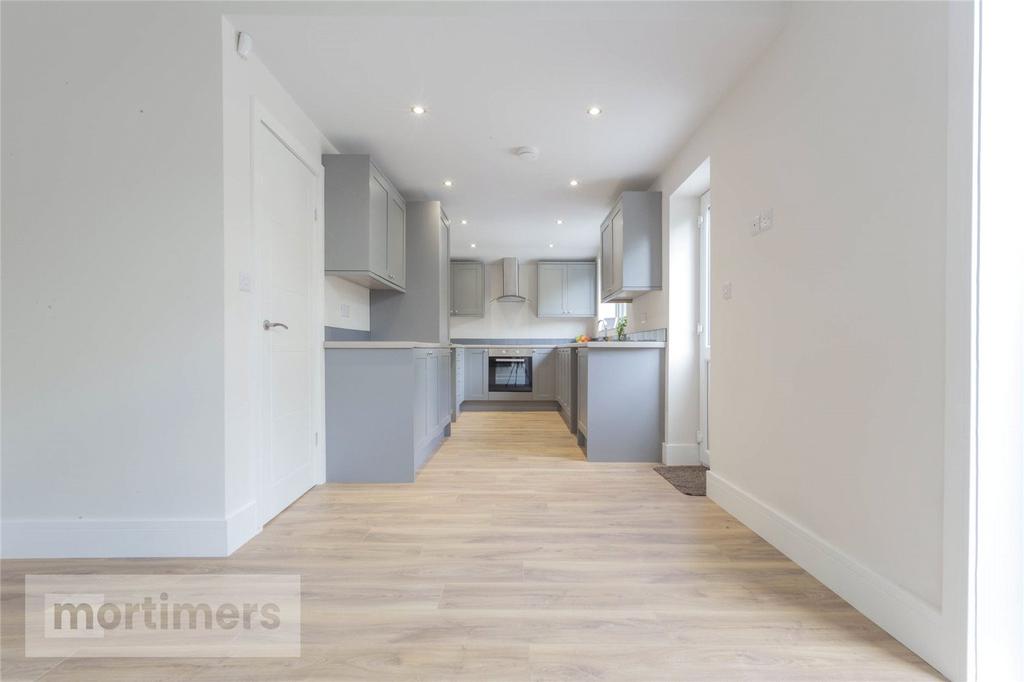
379	430
476	374
565	385
543	374
621	402
458	381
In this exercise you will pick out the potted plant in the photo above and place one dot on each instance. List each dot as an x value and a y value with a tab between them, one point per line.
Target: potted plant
620	328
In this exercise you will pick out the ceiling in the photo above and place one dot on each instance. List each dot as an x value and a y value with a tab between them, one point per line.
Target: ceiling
495	76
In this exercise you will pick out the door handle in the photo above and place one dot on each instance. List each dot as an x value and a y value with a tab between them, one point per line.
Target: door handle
268	325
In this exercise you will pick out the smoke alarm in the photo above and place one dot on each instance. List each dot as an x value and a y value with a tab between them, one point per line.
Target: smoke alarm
527	153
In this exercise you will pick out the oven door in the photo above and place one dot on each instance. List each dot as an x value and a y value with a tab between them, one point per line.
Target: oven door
512	374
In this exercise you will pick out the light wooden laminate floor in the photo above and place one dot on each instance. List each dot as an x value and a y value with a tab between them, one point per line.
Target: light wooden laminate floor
511	557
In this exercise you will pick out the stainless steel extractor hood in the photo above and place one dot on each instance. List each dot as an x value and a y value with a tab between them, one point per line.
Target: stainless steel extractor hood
510	281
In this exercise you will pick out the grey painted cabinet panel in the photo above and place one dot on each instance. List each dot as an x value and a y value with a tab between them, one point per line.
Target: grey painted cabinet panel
387	429
631	247
396	242
364	223
543	374
582	361
421	312
623	389
550	289
607	261
379	202
467	288
581	289
445	279
444	387
460	376
476	374
566	289
419	414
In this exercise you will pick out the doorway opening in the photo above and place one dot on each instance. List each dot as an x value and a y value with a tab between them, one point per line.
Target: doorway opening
687	385
704	327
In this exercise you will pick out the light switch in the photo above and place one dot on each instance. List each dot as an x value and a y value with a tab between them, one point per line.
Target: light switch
244	281
346	310
727	291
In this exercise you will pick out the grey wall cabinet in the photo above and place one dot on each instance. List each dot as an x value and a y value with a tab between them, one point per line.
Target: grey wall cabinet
566	289
476	374
421	312
364	223
467	288
388	428
631	247
543	374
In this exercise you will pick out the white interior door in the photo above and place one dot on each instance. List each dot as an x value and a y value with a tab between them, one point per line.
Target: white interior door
285	208
704	221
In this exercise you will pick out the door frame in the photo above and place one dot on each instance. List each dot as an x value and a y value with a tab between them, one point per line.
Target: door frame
263	119
704	326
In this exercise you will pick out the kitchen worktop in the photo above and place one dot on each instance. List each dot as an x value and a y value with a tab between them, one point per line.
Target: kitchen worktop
383	344
619	345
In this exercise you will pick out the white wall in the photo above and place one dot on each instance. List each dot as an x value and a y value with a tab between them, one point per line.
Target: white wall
113	257
515	320
1000	349
838	421
246	81
341	297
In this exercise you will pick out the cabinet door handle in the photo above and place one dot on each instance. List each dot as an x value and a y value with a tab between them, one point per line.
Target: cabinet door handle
268	325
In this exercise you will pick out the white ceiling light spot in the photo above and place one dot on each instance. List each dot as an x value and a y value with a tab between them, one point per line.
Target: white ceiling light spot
465	222
551	246
418	109
472	246
448	183
558	222
594	111
574	182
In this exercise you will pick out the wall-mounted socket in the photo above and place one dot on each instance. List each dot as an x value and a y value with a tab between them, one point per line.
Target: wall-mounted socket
346	310
244	281
762	222
727	291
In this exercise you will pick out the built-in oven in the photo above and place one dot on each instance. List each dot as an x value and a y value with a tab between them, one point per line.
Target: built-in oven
510	371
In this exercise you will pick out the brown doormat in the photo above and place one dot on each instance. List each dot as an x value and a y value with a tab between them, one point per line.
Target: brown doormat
691	480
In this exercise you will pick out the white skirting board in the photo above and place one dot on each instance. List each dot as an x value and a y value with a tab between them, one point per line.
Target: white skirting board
128	538
679	454
912	621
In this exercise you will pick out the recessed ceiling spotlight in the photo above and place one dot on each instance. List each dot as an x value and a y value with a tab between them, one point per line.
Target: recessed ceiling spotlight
551	246
594	111
472	246
448	183
465	222
574	183
558	222
418	109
